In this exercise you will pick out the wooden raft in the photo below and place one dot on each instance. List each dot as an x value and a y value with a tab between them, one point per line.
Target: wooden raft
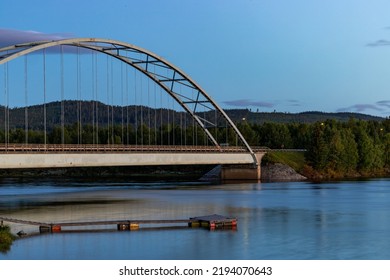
211	222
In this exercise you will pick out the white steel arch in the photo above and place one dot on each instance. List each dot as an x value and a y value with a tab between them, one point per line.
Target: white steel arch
162	72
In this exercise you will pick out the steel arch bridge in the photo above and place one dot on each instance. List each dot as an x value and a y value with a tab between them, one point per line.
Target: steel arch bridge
157	69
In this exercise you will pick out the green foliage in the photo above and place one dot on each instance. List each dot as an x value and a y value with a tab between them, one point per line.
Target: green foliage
250	135
348	155
6	238
369	147
274	135
386	150
348	148
318	149
334	148
296	160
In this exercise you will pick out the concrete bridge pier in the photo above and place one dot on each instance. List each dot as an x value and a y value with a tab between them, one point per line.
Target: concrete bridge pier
243	171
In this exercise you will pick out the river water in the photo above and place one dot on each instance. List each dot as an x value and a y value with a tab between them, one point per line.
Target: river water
287	220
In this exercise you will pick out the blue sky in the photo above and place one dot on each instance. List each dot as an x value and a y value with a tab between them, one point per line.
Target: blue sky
282	55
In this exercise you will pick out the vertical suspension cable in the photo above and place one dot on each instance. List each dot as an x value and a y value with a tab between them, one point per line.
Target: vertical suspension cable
135	108
80	99
78	95
8	110
185	127
168	120
108	99
5	101
161	119
112	101
127	105
181	128
155	109
205	138
181	122
216	125
26	99
4	95
6	107
62	97
195	132
142	111
168	123
122	104
149	124
97	100
173	122
93	97
194	140
44	99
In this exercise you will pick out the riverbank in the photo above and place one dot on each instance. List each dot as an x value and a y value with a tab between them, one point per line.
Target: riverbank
6	238
297	161
130	173
272	172
330	175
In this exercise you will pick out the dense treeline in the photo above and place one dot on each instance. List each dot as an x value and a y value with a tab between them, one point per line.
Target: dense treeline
334	148
115	134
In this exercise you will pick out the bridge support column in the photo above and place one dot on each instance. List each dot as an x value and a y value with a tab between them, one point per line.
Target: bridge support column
243	171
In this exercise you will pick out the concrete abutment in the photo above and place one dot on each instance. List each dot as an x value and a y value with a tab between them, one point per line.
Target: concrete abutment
243	171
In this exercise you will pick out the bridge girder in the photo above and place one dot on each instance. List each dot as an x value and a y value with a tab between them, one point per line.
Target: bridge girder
162	72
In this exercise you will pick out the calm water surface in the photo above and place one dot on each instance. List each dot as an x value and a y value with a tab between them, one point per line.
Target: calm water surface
336	220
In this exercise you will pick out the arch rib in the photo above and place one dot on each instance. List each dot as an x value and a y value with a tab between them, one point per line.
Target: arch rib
141	59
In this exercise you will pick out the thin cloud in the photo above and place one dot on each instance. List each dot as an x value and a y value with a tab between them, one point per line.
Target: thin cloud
294	103
379	43
360	108
384	103
248	103
10	37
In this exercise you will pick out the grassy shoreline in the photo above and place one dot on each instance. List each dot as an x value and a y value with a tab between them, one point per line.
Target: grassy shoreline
6	238
297	161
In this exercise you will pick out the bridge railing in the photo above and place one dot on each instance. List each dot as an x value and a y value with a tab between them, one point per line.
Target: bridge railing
101	148
111	148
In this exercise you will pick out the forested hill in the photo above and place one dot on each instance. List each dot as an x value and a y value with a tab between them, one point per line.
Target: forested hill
304	117
102	112
337	144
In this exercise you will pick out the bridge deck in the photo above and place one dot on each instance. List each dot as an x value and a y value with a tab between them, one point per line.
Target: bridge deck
99	148
26	156
63	160
59	156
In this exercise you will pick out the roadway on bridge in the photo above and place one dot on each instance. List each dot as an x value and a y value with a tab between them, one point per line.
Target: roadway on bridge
59	156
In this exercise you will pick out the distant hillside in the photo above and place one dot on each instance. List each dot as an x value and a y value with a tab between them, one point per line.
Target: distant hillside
304	117
92	111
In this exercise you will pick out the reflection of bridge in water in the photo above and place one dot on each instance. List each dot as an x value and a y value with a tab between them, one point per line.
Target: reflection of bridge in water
125	78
